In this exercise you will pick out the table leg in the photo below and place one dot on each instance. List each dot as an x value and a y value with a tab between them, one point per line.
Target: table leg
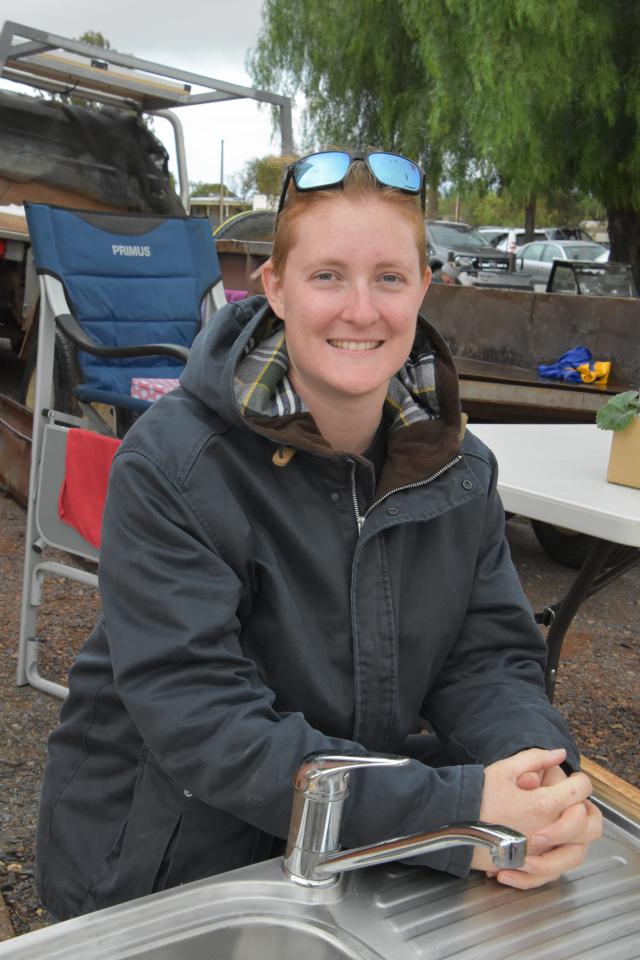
586	583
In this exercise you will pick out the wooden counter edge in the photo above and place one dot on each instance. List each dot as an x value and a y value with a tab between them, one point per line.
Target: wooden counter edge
612	789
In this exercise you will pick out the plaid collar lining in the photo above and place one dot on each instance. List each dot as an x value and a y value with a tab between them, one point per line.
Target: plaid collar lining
262	387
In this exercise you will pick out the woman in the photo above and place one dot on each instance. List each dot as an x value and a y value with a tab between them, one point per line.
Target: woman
300	553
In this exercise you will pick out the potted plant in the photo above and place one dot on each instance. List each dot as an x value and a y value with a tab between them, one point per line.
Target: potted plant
621	414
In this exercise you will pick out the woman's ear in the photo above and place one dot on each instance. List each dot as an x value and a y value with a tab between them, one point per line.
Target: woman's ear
273	288
426	280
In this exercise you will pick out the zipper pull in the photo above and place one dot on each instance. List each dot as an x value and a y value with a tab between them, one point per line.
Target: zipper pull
354	495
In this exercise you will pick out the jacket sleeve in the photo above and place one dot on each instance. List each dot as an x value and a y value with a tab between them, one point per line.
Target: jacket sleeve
489	698
171	606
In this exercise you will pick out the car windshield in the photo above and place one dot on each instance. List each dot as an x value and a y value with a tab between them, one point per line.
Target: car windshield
456	235
589	252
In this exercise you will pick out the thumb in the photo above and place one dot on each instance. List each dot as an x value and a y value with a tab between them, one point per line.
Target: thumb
534	761
529	780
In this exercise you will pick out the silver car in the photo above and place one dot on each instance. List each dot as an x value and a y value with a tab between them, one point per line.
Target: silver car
537	258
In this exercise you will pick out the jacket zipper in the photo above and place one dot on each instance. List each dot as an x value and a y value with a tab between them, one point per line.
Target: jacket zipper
409	486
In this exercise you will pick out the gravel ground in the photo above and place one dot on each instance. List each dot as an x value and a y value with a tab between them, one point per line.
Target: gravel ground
597	687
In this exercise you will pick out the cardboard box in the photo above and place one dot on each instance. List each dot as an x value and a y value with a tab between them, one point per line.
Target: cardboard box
624	459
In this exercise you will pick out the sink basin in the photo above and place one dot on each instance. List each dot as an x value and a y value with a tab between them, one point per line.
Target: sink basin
395	912
268	938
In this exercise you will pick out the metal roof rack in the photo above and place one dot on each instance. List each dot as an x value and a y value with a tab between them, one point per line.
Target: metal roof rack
32	56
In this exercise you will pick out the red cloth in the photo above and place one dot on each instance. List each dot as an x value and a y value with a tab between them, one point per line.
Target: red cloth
84	488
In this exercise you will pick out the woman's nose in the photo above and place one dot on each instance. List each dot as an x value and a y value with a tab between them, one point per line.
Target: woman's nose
359	306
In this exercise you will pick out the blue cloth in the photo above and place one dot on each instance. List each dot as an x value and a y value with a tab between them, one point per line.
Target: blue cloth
565	366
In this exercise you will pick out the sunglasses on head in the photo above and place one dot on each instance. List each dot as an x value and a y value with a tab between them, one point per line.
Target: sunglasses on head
319	171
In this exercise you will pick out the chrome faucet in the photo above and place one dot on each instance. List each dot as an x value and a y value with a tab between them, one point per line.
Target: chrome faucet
313	856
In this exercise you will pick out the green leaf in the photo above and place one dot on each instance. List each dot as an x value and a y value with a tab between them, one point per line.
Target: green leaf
619	411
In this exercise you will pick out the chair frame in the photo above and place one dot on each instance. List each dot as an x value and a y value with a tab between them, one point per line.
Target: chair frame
44	528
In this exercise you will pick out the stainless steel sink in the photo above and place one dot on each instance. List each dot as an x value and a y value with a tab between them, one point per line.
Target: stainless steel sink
267	938
394	911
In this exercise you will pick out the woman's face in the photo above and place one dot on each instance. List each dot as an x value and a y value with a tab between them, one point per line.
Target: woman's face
348	295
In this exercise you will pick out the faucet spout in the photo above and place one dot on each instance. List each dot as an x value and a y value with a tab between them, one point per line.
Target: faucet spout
313	856
508	848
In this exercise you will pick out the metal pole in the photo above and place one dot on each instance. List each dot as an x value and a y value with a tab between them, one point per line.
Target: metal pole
181	156
286	127
221	210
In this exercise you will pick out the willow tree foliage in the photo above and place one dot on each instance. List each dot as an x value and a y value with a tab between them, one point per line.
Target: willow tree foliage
356	65
550	93
546	93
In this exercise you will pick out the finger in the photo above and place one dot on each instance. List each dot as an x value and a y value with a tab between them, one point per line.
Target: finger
580	823
574	789
530	780
553	775
540	870
570	827
534	760
595	821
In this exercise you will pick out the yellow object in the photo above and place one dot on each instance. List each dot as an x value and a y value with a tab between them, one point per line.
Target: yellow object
597	370
282	456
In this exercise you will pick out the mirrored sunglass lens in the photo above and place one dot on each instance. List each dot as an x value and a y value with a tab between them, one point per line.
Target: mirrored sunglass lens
396	171
320	170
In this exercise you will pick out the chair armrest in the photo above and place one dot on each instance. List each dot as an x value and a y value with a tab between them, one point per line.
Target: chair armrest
72	329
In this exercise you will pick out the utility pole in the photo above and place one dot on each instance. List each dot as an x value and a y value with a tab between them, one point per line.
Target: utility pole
221	206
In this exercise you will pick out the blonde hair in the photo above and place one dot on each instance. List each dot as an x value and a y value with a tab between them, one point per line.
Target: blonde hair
360	185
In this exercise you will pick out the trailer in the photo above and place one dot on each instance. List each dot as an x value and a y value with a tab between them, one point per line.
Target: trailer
65	151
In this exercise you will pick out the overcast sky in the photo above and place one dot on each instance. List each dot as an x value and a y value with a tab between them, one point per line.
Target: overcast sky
209	37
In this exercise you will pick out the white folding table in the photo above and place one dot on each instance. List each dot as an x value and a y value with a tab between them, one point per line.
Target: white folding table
556	473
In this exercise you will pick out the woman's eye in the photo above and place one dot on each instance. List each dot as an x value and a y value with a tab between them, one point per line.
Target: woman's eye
391	278
325	275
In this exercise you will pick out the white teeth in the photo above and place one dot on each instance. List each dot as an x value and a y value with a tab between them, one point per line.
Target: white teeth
355	344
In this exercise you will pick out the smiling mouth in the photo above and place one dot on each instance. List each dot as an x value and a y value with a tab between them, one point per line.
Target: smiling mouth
355	344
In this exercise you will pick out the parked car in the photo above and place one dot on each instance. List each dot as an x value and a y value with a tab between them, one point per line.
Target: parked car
517	235
514	238
447	239
494	234
537	258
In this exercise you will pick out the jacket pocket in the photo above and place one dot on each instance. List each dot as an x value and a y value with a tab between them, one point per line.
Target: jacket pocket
134	865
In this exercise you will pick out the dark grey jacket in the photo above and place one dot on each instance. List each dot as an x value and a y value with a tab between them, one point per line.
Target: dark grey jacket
247	622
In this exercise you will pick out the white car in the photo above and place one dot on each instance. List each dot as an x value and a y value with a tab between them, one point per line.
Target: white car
537	258
514	239
515	236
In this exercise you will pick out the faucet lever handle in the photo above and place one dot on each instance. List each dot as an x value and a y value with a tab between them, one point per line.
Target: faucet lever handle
326	774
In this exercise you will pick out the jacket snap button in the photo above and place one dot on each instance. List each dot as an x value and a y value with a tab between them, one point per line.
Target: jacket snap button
467	484
392	511
335	496
187	794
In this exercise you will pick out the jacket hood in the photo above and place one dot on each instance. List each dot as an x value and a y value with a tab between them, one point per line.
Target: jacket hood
238	367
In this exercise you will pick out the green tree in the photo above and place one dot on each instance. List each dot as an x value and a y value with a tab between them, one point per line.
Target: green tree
96	38
354	62
264	175
551	95
200	188
543	95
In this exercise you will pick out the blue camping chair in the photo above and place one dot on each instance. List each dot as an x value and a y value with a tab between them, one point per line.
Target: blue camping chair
129	292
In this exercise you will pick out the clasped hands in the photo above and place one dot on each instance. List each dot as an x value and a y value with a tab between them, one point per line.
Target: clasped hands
531	793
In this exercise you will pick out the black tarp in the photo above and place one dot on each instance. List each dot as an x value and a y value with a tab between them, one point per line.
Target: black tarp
106	154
